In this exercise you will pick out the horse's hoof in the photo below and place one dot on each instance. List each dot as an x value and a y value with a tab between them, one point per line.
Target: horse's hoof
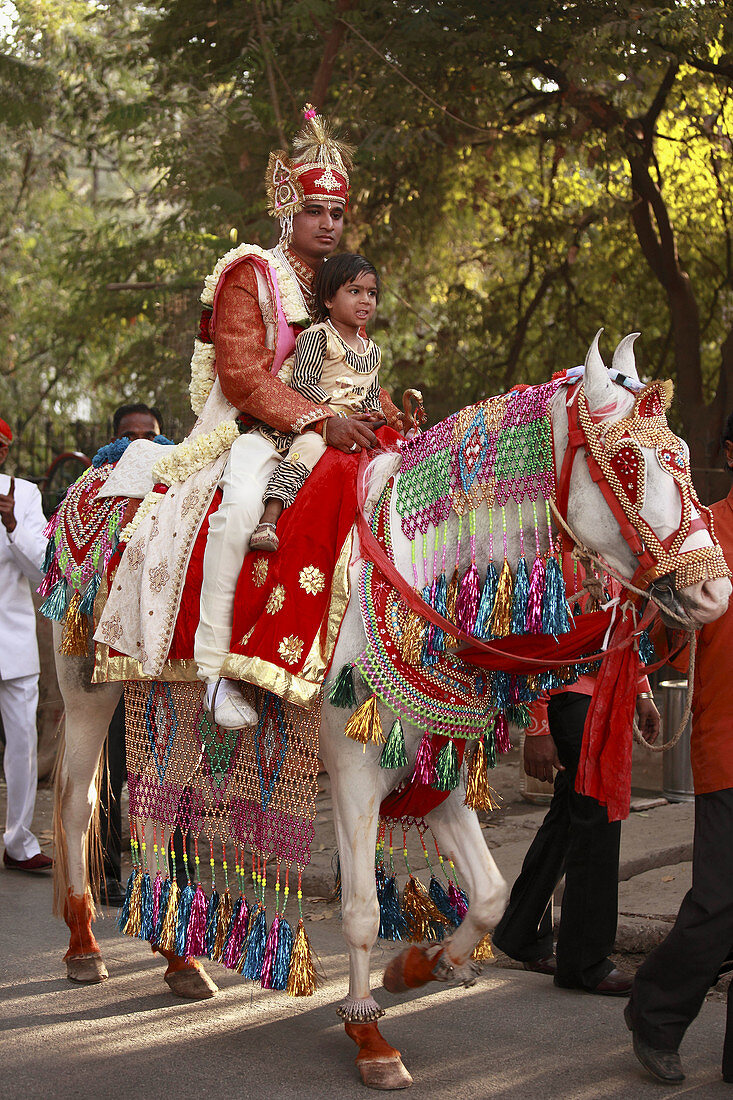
410	969
191	982
88	969
385	1074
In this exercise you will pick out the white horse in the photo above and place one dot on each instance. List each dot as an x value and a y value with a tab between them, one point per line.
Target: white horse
358	784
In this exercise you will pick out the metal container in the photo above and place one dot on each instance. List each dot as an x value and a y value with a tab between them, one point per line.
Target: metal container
677	784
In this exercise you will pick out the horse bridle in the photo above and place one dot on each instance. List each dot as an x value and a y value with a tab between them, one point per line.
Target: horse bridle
616	464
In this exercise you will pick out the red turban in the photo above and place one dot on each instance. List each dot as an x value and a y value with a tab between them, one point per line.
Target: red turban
6	436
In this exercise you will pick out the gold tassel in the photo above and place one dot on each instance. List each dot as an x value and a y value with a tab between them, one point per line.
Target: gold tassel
483	949
303	979
501	619
411	642
132	927
74	640
222	925
419	909
167	941
451	601
365	724
479	795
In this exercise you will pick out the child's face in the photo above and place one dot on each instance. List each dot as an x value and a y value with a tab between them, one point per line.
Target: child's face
355	302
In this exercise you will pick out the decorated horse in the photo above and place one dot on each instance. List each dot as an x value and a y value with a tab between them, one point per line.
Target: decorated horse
430	603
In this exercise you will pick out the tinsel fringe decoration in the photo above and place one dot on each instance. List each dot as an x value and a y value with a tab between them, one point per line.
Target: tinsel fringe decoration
468	600
458	900
482	626
146	908
212	924
518	715
283	955
440	899
489	743
413	637
479	795
90	594
646	648
268	960
555	617
52	573
236	934
451	610
394	754
424	770
75	637
520	598
165	893
303	979
501	733
427	657
167	939
254	958
134	920
436	637
124	914
222	926
54	607
420	912
342	694
501	619
365	725
184	912
196	932
483	949
447	768
157	891
533	621
392	923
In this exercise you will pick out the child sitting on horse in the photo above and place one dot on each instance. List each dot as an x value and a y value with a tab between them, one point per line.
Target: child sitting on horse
335	365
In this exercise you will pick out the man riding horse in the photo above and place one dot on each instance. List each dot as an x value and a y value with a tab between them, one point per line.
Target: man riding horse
250	295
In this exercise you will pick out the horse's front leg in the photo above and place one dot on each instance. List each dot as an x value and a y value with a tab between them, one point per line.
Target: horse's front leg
460	839
356	791
89	710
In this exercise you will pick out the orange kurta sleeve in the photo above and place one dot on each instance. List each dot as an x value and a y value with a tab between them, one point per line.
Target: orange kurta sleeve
243	362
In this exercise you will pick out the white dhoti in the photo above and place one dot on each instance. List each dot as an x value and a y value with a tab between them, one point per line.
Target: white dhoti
252	460
18	705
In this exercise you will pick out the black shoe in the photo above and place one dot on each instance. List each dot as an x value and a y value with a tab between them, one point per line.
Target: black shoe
112	893
665	1065
615	984
541	966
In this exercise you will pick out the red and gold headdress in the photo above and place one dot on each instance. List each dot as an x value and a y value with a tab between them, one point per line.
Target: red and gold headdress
317	172
6	436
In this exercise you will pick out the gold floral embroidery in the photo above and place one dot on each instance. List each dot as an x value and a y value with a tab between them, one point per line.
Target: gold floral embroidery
247	636
291	649
190	501
159	577
259	571
312	580
112	630
135	556
275	600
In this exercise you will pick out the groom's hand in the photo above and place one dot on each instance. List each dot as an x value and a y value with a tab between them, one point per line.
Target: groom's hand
351	433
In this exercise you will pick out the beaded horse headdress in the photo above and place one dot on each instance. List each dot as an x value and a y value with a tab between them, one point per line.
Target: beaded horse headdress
317	172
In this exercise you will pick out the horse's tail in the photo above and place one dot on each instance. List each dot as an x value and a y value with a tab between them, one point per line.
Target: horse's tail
93	852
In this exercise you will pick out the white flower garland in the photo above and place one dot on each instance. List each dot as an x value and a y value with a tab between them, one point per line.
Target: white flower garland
193	454
203	369
146	505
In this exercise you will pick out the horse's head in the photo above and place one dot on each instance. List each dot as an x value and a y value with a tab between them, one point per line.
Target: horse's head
632	499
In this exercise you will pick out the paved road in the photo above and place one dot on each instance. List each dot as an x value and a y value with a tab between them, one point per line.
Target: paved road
513	1035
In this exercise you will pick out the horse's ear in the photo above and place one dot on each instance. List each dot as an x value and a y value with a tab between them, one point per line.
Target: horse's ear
623	357
600	392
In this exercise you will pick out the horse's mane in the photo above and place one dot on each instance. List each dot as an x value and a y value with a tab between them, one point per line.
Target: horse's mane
376	476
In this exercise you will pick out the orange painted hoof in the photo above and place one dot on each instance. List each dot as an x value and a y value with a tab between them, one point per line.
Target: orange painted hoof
410	969
187	978
379	1064
78	916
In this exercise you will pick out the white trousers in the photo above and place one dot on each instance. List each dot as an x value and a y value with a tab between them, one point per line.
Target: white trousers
252	460
18	705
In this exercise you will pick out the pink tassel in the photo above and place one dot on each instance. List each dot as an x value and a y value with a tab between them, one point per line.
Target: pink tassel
424	770
197	924
157	887
536	592
236	938
270	949
52	577
501	733
457	900
468	597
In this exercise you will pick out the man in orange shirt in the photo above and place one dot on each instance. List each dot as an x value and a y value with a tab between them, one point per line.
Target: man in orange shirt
671	985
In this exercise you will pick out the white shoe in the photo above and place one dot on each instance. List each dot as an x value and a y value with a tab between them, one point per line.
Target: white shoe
233	712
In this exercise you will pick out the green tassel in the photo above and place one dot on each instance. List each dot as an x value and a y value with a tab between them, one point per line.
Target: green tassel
489	739
342	693
446	768
393	753
518	714
55	605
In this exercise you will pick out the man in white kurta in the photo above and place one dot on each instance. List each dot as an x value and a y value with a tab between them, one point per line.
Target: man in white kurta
22	549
